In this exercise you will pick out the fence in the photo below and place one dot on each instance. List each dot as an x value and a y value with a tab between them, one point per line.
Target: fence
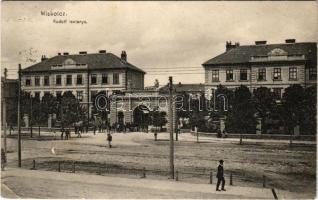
207	176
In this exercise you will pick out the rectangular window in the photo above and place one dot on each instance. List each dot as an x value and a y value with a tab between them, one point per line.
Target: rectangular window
104	79
69	80
79	96
115	78
277	93
28	81
215	75
229	75
293	73
79	79
93	79
58	79
37	81
243	74
46	80
277	74
312	73
262	74
46	93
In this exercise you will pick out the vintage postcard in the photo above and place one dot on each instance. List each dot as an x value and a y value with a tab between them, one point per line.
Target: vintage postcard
158	99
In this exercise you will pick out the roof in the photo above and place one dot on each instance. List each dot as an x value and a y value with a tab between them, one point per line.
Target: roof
94	61
243	54
183	88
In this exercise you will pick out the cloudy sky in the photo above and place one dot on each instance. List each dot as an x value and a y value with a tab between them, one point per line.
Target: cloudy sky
162	38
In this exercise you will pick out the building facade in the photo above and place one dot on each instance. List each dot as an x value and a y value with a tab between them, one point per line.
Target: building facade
275	66
83	74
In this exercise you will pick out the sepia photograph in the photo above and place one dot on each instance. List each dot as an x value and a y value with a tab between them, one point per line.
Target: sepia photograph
158	99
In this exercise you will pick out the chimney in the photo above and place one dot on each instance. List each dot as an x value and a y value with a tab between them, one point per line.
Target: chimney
83	52
65	53
58	53
230	46
260	42
123	55
43	58
290	41
102	51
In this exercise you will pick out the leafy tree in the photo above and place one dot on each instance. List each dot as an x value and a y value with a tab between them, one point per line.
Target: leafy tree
309	120
72	110
198	111
101	114
49	105
158	118
293	106
264	104
241	118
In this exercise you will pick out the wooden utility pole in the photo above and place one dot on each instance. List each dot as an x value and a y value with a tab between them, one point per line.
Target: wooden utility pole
19	122
171	128
4	111
31	117
88	98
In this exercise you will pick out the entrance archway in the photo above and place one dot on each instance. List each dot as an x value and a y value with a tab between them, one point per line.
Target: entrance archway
141	116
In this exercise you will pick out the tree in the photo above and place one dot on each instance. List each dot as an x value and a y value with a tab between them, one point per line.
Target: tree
293	106
49	105
309	120
72	110
264	104
241	118
158	118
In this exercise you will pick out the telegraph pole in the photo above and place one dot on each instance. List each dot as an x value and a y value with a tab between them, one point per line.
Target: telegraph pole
171	128
31	116
19	122
4	112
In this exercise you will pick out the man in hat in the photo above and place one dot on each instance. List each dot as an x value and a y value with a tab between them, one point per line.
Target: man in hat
220	176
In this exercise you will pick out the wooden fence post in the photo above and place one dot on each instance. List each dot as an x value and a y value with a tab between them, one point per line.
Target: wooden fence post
231	179
143	172
100	170
59	166
177	175
211	177
73	167
33	165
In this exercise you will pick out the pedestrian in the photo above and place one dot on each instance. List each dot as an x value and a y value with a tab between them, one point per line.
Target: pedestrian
220	176
67	134
224	135
109	139
3	159
219	135
62	132
94	128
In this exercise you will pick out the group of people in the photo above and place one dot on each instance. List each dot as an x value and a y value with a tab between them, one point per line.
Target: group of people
67	133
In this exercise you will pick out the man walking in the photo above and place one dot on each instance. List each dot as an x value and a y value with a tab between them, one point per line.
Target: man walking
109	139
220	176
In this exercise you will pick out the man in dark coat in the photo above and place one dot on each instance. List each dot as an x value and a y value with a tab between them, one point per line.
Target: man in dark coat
220	176
109	139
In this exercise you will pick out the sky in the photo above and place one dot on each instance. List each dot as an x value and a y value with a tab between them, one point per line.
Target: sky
162	38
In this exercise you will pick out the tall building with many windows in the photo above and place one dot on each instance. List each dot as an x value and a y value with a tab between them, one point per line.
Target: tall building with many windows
275	66
83	74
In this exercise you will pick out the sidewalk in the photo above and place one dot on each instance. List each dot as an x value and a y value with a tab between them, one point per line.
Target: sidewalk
45	184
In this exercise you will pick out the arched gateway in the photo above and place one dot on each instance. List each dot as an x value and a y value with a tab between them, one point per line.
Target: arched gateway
136	107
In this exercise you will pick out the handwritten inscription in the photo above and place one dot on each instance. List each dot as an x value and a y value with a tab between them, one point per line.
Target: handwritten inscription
61	17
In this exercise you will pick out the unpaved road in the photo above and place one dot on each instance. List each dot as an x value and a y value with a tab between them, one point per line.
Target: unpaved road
286	168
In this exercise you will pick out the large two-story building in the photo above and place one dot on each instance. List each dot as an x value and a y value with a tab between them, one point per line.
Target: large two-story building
83	74
275	66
